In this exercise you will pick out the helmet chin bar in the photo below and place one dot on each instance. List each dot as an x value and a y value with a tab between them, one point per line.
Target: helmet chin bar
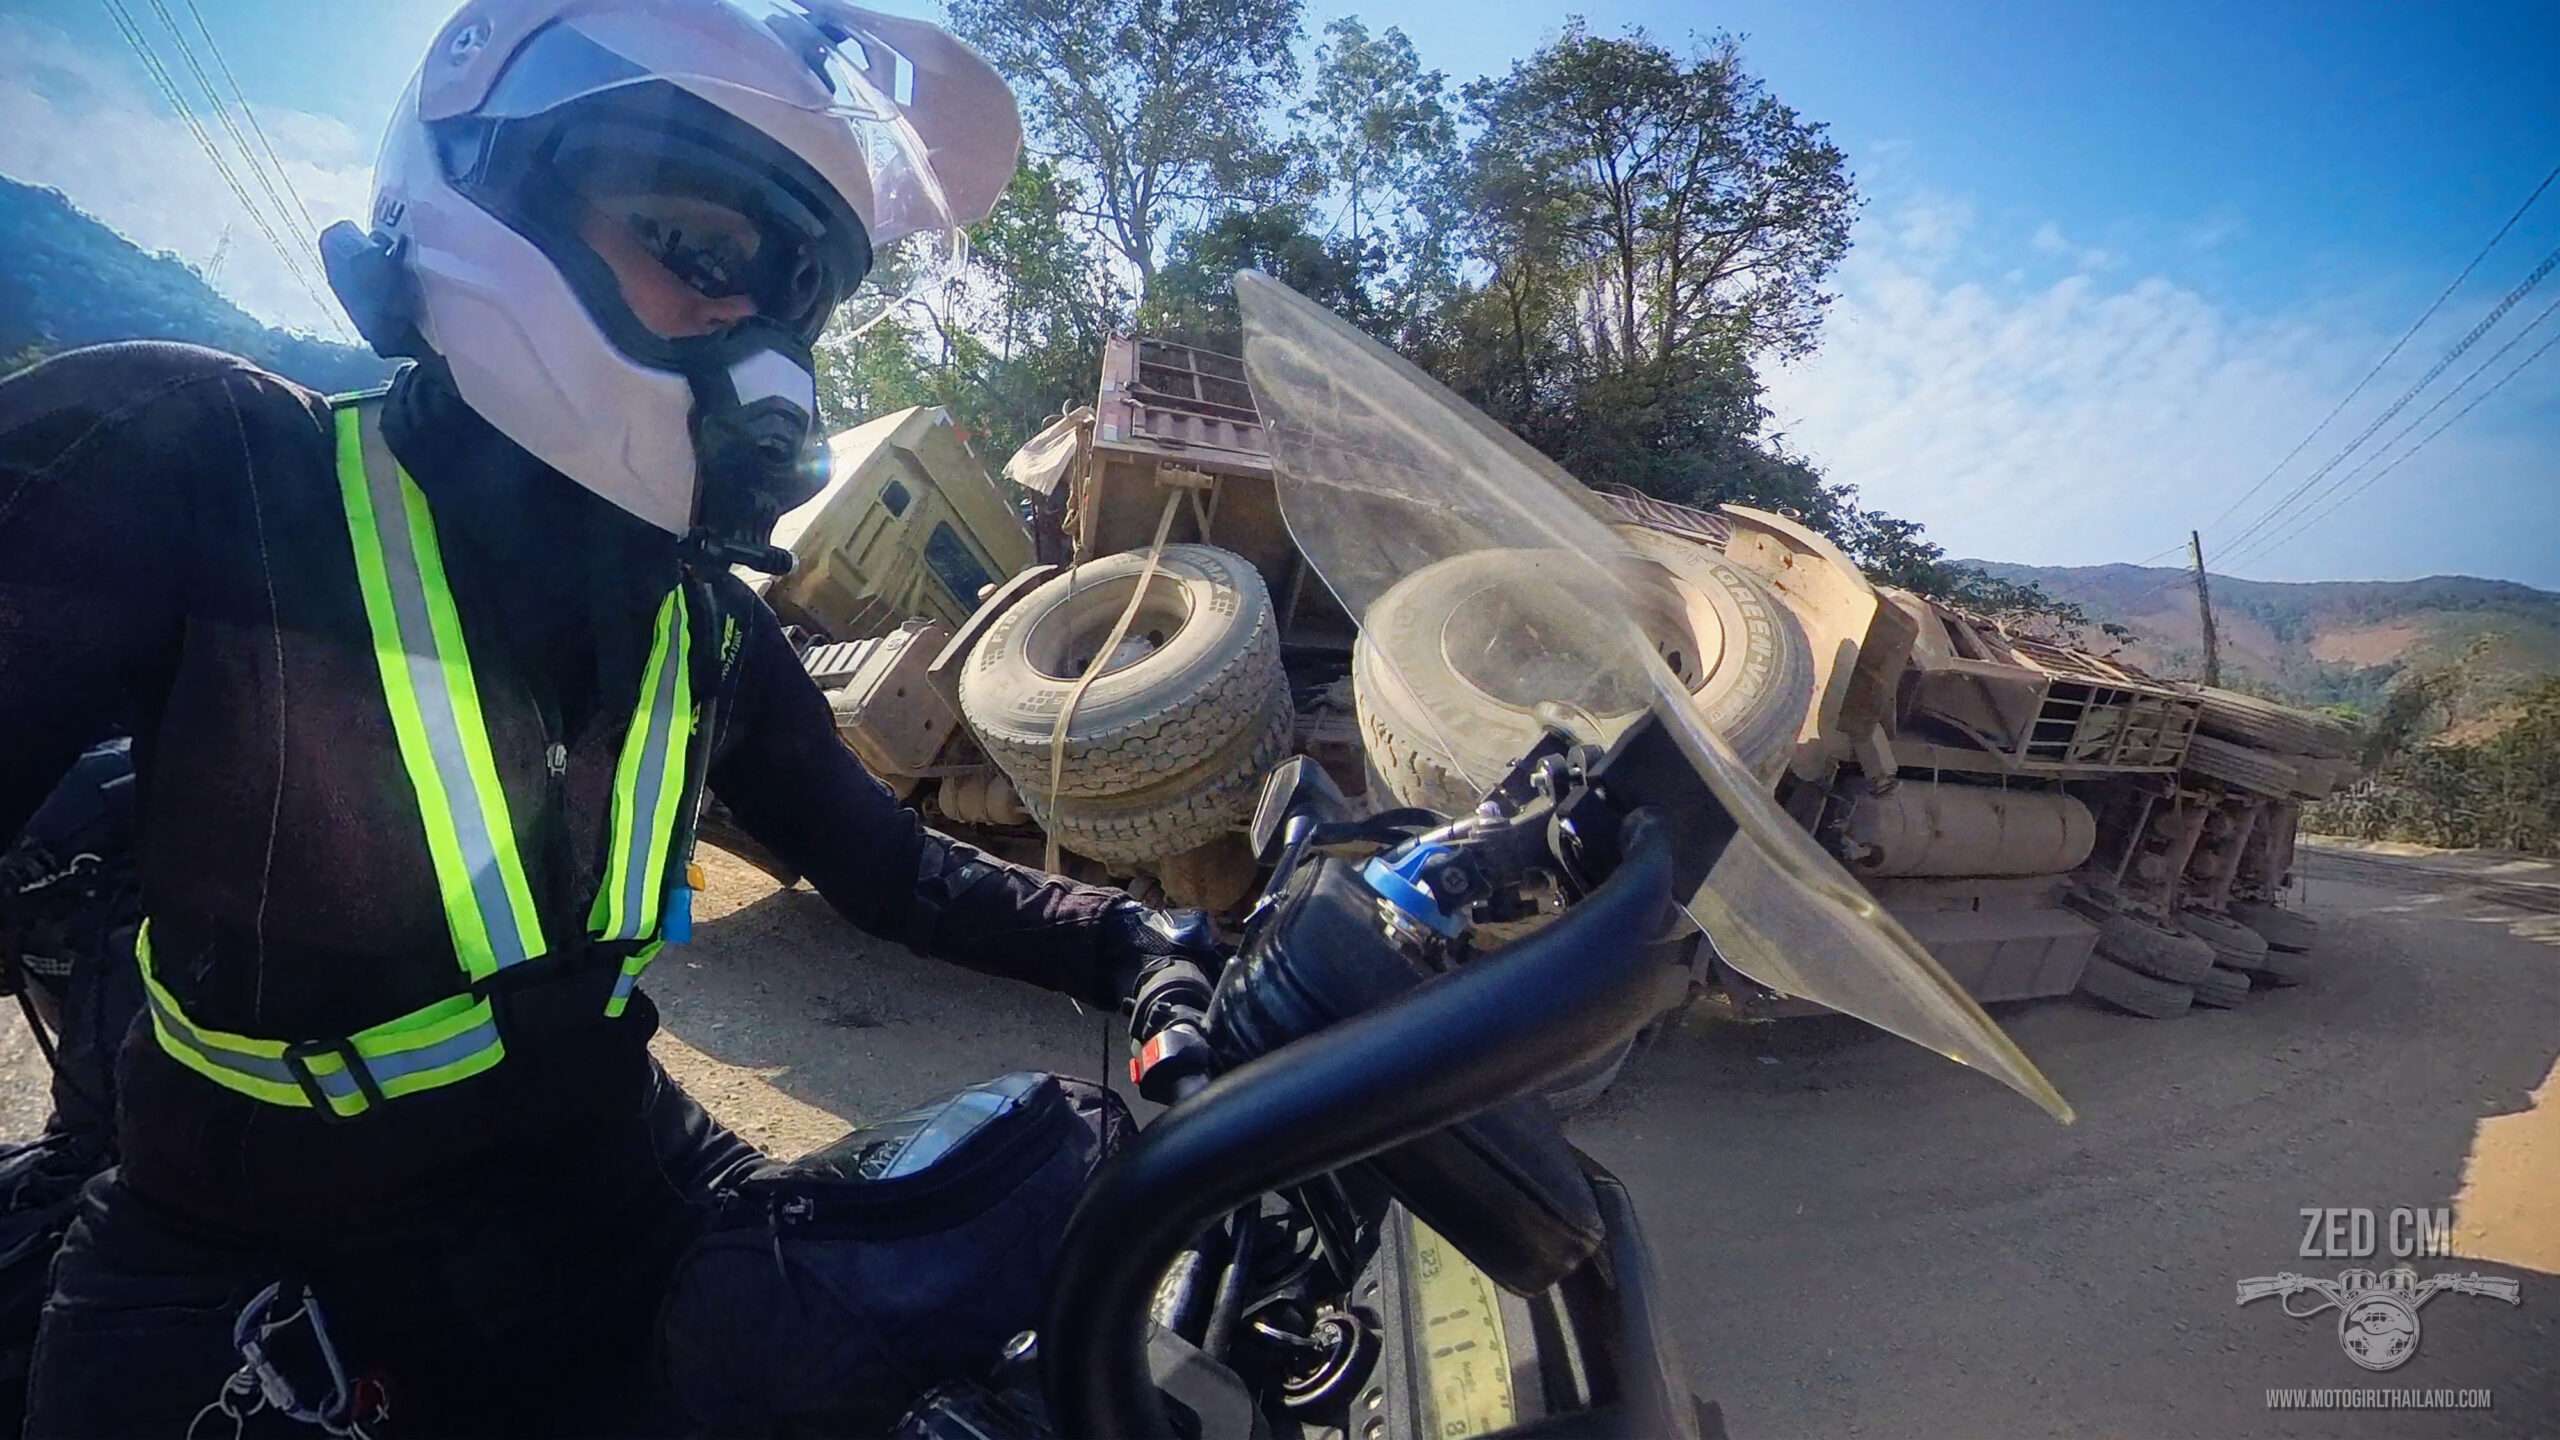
755	421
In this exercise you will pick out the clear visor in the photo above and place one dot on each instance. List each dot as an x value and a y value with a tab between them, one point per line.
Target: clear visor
1385	475
827	104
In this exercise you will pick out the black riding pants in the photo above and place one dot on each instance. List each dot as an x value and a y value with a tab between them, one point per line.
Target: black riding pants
529	1307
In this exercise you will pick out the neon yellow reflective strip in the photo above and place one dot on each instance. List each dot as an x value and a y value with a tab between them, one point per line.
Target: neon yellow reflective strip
632	965
189	1048
243	1044
455	659
180	1050
257	1068
462	1069
453	880
427	1025
609	917
671	774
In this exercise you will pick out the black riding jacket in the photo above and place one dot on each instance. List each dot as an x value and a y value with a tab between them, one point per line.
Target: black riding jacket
174	553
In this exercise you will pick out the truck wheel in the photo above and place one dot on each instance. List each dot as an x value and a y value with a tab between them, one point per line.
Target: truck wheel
2234	944
2282	929
2137	944
2223	988
1445	707
1201	668
2278	969
2270	726
2134	992
1141	827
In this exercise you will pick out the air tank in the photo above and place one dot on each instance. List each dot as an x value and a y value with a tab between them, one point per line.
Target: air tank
1923	828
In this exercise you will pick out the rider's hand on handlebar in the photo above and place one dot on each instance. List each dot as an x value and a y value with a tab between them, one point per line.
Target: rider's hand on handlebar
1138	941
1172	955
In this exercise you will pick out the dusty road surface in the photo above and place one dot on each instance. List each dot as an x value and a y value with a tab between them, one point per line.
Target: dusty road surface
1861	1239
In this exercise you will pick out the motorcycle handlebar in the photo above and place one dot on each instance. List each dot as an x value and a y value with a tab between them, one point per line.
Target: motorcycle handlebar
1508	1024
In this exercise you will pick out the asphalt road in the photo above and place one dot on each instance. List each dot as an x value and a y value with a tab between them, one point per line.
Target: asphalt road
1860	1238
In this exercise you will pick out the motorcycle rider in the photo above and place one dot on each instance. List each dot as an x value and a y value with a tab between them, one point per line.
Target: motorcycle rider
425	688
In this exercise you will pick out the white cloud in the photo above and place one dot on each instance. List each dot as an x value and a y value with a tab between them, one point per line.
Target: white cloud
91	124
2212	232
2050	240
1930	227
2092	420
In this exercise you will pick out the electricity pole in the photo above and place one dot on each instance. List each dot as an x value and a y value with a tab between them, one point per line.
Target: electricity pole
221	252
2204	613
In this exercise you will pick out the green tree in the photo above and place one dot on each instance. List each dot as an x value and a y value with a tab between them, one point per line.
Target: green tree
1383	135
1642	230
1156	104
1012	338
1193	300
1687	205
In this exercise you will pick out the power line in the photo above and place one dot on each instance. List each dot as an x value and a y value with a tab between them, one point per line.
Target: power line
260	131
2341	501
2414	327
141	47
2470	337
2268	541
248	157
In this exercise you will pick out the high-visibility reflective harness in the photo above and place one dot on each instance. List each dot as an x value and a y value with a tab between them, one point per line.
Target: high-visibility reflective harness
488	907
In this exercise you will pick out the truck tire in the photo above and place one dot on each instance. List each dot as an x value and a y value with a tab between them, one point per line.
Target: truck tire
2244	766
2284	930
1438	730
2134	992
2278	969
2135	943
2223	988
2234	944
1179	815
1208	679
2270	726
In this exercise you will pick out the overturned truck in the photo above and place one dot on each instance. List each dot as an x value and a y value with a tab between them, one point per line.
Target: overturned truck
2042	818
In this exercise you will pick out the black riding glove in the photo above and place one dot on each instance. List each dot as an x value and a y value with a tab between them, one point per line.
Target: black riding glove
1153	953
1175	956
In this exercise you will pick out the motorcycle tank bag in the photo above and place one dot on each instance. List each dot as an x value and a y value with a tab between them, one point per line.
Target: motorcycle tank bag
832	1290
1503	1186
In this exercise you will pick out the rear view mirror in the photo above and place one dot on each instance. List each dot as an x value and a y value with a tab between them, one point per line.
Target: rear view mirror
1297	786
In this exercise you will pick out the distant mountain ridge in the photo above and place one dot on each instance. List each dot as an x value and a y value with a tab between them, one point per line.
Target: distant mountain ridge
2319	642
66	280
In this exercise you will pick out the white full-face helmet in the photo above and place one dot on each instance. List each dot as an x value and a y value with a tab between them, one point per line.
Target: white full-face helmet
755	153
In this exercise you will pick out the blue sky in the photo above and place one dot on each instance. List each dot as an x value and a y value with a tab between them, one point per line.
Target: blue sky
2114	262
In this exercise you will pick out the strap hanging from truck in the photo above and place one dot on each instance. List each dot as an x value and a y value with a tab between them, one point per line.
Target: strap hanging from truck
1102	662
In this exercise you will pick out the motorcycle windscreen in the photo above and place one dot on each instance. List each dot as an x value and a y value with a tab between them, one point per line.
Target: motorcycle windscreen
1383	472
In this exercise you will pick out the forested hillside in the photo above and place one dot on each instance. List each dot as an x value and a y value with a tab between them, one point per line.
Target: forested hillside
2328	642
67	280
